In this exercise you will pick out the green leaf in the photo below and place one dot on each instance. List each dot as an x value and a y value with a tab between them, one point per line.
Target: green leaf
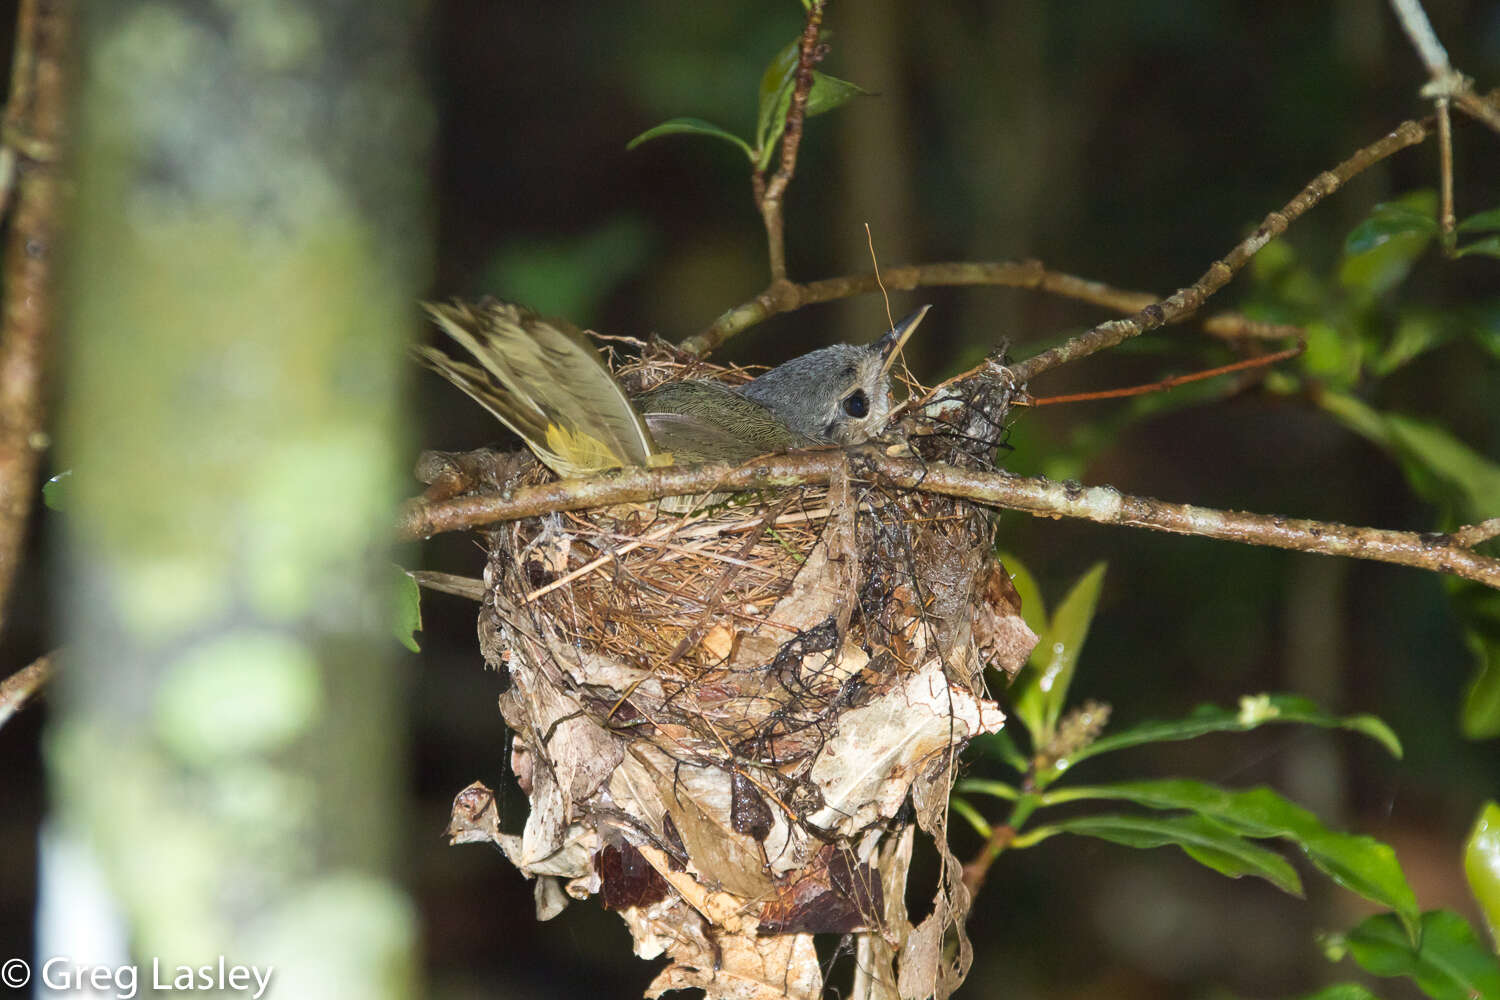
1437	466
775	92
983	786
1360	864
690	126
1026	702
1331	355
1380	251
1254	711
776	86
1003	747
1203	840
406	619
55	490
1342	991
975	819
1480	222
1482	866
830	92
1388	220
1415	335
1450	964
1465	471
1041	690
1488	247
1033	607
1479	716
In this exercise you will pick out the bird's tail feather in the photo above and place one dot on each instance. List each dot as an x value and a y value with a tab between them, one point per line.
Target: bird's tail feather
546	383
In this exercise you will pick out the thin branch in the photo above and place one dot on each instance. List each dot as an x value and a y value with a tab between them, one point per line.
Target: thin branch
1419	29
33	130
1485	109
1162	385
1447	220
978	869
769	194
1471	535
1445	82
1028	274
1188	300
1148	311
1101	504
21	686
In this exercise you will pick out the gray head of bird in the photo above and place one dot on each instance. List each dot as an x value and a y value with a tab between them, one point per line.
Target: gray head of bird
839	394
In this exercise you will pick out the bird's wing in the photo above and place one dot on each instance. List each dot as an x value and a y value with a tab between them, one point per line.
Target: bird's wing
546	383
690	439
700	421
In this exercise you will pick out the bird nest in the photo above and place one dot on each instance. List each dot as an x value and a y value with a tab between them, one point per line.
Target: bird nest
732	722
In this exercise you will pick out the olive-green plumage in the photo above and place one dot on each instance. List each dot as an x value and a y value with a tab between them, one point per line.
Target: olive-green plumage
545	382
702	421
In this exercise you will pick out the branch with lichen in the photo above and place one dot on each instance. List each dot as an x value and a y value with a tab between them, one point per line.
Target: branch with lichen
1443	553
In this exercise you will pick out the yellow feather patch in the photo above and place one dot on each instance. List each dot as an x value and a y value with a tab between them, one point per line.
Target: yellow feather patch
580	451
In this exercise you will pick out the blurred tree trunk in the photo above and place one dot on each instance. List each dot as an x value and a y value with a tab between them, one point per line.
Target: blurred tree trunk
248	234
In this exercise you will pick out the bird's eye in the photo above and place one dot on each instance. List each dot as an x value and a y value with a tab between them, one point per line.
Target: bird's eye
855	404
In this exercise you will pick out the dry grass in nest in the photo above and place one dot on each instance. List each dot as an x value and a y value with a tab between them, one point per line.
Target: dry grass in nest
665	592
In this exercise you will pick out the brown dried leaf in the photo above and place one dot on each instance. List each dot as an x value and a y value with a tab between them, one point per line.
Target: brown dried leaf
928	968
748	968
700	802
474	818
833	894
1002	635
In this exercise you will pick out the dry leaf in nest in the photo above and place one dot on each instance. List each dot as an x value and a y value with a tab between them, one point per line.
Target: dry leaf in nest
721	718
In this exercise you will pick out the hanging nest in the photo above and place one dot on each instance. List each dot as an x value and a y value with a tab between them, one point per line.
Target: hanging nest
721	716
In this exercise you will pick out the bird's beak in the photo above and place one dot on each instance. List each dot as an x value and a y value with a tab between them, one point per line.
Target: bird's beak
890	345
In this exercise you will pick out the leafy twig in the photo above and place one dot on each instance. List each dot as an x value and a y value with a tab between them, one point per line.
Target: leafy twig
769	194
1101	504
33	130
1445	83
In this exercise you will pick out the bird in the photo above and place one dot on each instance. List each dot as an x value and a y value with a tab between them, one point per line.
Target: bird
542	379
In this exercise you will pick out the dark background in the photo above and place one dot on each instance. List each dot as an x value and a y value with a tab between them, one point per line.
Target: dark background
1129	142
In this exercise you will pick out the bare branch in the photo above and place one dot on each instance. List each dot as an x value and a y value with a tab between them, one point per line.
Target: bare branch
1485	109
1185	301
1447	220
1101	504
1029	274
1471	535
21	686
33	130
1414	20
